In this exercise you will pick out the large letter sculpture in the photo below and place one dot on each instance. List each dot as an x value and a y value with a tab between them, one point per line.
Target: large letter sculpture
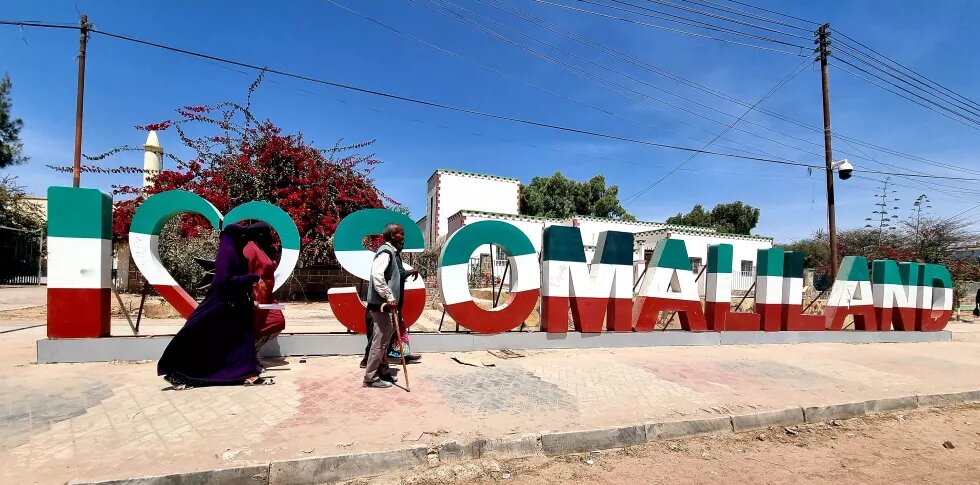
79	262
153	214
454	267
895	293
718	294
604	292
769	282
935	301
669	285
356	259
793	317
851	295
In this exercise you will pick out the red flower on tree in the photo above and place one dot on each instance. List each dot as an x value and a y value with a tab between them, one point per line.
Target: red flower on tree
254	160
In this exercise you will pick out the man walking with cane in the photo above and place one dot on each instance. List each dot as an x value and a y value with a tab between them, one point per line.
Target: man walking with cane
384	289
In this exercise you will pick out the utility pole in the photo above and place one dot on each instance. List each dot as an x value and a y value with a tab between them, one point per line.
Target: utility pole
823	42
84	27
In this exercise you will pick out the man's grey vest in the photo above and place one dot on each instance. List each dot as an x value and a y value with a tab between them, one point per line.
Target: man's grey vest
393	275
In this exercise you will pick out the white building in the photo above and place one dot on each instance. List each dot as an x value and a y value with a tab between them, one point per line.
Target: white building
457	198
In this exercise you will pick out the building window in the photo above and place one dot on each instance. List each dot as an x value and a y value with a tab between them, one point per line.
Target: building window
695	264
501	253
746	266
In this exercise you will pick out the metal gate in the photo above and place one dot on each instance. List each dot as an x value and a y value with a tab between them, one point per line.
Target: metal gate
21	256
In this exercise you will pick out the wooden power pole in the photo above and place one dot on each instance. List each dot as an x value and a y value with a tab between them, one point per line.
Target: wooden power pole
84	27
823	41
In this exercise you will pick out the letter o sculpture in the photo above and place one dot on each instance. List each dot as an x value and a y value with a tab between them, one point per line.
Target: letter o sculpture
454	266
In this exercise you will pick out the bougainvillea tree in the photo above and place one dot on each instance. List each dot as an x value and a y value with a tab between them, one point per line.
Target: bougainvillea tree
242	158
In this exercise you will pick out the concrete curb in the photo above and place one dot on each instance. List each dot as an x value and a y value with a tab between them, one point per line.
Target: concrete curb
692	427
791	416
247	475
594	439
521	446
328	469
817	414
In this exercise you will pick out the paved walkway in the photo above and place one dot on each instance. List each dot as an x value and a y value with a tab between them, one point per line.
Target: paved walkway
20	297
118	420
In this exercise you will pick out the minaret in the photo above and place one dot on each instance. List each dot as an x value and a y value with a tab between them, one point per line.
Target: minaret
152	158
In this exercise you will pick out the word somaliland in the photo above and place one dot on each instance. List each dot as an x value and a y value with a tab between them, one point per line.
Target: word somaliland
599	296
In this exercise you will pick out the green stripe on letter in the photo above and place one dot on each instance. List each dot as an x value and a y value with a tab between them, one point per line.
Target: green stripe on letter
472	236
770	262
670	253
365	222
853	268
720	258
615	247
84	213
563	243
274	216
160	208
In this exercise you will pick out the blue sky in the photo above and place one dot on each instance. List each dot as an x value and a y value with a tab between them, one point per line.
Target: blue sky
130	84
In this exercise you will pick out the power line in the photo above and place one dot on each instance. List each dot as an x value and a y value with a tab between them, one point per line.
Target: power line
670	29
718	6
669	17
603	82
510	76
773	12
905	78
955	109
965	121
474	112
714	16
907	69
695	85
772	91
579	71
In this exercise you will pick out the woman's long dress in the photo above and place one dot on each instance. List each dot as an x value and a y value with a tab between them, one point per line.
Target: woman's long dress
266	323
217	344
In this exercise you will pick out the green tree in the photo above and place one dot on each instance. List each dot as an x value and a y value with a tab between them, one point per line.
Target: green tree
733	218
10	145
15	210
559	196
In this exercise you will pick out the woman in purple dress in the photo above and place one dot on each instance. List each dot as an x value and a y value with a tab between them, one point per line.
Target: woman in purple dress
217	344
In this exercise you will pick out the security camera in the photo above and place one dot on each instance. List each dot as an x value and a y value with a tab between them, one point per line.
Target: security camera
844	169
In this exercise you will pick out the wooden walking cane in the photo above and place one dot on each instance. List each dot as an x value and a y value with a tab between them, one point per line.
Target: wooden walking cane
401	346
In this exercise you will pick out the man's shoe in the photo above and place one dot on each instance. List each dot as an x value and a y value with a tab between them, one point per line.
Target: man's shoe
364	363
377	383
412	358
389	378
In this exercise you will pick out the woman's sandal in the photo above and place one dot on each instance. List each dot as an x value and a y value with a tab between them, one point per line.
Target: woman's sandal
182	387
260	381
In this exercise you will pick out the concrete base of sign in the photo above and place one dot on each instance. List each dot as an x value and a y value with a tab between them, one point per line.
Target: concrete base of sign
299	344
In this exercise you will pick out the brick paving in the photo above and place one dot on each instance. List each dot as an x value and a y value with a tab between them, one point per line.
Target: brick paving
119	420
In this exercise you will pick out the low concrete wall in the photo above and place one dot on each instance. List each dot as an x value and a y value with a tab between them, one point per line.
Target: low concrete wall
150	348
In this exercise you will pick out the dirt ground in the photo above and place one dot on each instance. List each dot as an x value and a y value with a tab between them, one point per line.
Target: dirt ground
903	447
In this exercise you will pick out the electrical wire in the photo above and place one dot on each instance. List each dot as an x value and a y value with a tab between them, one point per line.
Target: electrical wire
670	29
510	76
718	6
773	12
603	81
962	119
695	85
464	110
714	16
894	73
772	91
669	17
907	69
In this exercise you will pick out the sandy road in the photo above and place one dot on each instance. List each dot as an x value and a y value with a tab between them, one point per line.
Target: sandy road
889	448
